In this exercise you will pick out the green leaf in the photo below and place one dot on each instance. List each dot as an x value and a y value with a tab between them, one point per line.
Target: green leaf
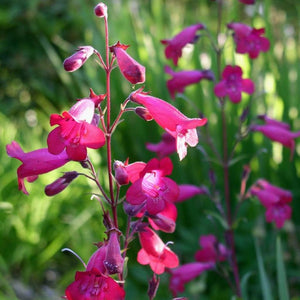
281	274
244	284
264	281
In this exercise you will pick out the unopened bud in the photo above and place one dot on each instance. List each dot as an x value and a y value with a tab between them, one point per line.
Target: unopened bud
60	184
121	174
143	113
75	61
101	10
130	68
97	259
113	261
153	286
132	210
163	223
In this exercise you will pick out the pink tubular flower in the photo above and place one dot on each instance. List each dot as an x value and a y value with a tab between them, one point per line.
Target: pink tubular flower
180	80
75	61
75	131
275	200
249	40
130	68
153	187
187	191
278	132
186	273
155	253
172	120
174	46
232	84
164	148
212	251
93	285
34	163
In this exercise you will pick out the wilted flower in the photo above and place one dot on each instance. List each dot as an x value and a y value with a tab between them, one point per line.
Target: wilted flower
130	68
249	40
174	46
172	120
180	80
75	131
34	163
278	132
275	200
232	84
153	187
75	61
186	273
212	251
155	253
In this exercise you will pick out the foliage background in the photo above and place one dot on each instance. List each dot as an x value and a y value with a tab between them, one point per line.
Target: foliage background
35	38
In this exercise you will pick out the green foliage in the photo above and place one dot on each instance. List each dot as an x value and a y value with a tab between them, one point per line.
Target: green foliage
37	36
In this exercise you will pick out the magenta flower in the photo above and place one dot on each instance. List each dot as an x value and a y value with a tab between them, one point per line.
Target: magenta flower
174	46
278	132
186	273
93	285
232	84
153	187
180	80
34	163
187	191
249	40
130	68
275	200
212	251
75	131
172	120
165	147
155	253
75	61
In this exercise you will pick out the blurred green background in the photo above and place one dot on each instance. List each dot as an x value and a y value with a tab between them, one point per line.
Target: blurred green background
36	36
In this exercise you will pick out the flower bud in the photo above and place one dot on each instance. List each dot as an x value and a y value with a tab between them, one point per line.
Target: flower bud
153	286
97	259
113	260
60	184
75	61
132	210
143	113
163	223
130	68
121	174
101	10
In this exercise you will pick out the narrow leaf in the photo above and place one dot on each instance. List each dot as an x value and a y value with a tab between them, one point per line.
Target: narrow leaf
264	281
281	274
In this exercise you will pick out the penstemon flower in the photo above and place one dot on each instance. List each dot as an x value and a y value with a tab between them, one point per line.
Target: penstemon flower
232	84
175	45
182	128
75	131
249	40
155	252
153	187
34	163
